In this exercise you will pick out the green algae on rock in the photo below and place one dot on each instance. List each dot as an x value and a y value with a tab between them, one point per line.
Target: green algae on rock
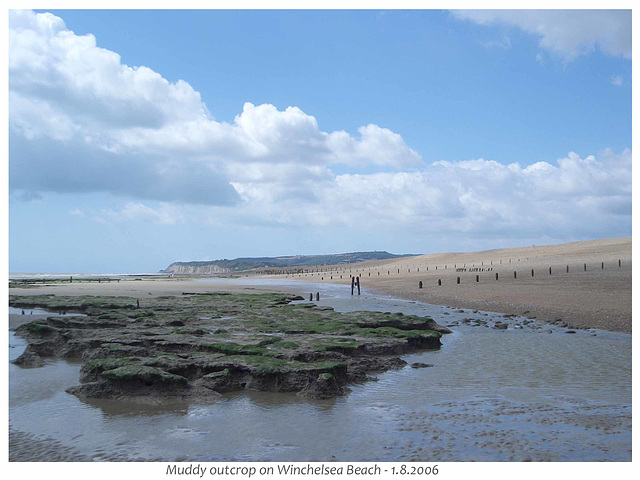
201	345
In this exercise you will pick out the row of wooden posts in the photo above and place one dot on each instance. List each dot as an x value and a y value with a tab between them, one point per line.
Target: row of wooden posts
301	272
515	274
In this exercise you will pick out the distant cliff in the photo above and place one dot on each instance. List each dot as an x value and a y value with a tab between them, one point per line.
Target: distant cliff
213	267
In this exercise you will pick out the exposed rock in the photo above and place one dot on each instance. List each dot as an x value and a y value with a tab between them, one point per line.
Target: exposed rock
325	386
420	365
29	359
175	348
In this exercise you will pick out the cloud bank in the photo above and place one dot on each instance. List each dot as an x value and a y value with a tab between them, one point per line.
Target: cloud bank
81	122
567	34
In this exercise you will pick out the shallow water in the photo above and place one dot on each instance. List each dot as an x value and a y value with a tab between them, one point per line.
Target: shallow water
38	311
491	395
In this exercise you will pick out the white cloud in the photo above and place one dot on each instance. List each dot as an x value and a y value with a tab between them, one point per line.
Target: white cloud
81	121
616	80
135	211
504	43
574	194
565	33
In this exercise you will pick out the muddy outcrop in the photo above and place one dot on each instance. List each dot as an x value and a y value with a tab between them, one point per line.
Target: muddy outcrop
29	359
202	345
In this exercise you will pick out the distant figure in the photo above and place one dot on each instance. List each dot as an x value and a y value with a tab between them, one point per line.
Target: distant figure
22	312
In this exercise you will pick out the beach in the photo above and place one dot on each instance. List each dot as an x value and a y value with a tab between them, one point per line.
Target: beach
598	297
496	386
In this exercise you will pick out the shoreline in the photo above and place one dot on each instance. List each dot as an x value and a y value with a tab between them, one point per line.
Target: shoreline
598	297
595	292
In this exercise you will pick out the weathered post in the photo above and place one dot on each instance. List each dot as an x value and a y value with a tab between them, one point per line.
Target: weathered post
532	272
138	303
619	263
585	267
439	282
311	297
567	268
496	276
420	284
602	265
515	275
317	296
70	280
353	280
358	284
549	270
458	280
477	278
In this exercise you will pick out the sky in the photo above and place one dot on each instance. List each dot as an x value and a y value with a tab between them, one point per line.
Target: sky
142	137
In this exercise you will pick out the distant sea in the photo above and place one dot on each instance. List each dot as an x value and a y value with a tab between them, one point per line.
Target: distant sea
23	275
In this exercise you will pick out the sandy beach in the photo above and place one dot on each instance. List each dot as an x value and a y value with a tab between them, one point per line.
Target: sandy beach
596	298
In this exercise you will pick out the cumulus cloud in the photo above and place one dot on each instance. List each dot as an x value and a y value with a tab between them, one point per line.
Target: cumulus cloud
478	196
565	33
574	196
135	211
616	80
82	121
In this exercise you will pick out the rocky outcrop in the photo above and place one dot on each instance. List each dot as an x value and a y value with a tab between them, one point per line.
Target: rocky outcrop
202	345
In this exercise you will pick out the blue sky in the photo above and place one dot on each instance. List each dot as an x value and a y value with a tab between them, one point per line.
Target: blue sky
141	137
